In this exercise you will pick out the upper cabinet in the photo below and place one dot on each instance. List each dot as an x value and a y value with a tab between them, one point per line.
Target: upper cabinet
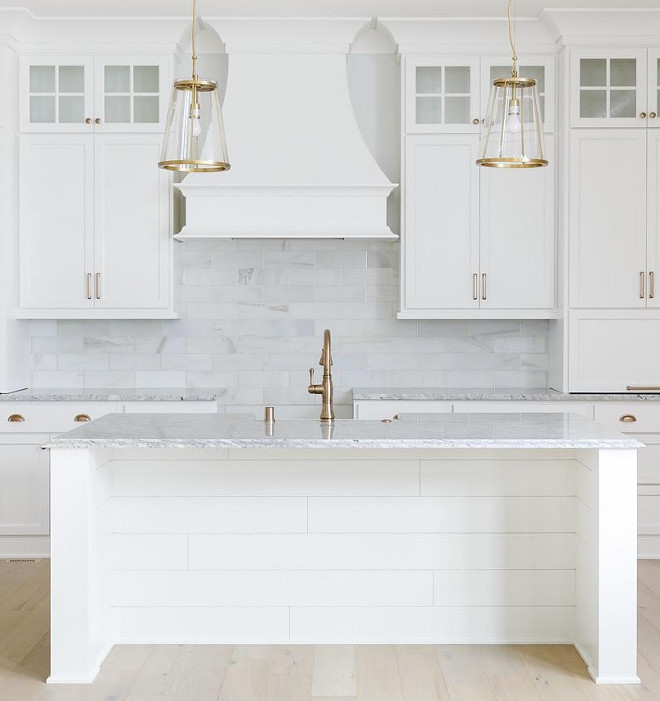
450	94
615	88
92	93
442	95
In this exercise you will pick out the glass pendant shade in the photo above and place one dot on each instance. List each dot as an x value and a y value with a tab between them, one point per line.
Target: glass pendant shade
513	130
194	133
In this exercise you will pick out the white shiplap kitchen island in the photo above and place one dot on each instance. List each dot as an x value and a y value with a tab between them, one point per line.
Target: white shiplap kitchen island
470	528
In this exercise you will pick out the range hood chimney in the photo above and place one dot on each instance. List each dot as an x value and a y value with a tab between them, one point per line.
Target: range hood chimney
300	167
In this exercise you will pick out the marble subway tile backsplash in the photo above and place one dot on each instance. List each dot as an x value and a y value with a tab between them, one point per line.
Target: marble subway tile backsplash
253	316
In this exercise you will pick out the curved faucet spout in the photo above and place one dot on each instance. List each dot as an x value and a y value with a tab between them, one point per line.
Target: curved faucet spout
326	387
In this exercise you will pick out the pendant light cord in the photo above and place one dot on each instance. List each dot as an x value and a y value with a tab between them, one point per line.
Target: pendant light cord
514	68
192	38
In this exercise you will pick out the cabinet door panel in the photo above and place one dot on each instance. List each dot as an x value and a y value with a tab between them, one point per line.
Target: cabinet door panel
518	237
56	220
654	88
441	239
653	218
23	490
608	218
132	241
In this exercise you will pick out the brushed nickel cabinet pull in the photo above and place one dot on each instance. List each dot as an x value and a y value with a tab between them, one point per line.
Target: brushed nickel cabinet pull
484	294
643	388
82	417
16	418
88	285
651	285
475	284
98	285
628	418
641	285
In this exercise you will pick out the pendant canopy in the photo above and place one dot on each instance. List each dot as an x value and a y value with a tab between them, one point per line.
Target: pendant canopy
194	133
513	128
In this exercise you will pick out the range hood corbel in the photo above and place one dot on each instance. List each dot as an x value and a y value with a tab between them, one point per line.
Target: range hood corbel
300	167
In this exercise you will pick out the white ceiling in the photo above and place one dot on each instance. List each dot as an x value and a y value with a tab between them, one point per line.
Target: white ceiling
306	8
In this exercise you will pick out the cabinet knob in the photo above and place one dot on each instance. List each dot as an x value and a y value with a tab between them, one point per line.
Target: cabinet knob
628	418
652	115
98	120
642	115
476	121
82	417
16	418
88	120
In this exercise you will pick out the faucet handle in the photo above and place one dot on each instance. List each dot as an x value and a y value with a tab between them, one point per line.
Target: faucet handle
311	376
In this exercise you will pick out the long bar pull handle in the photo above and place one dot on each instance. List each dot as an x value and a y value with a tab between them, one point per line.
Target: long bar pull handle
98	285
475	284
641	285
651	285
484	294
643	388
88	285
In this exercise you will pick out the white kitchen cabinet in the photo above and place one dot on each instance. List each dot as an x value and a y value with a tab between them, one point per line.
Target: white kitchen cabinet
442	95
609	88
467	252
441	239
517	242
654	88
24	486
541	68
93	93
608	237
95	226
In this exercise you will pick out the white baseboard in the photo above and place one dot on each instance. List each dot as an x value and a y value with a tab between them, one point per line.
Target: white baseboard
648	547
24	546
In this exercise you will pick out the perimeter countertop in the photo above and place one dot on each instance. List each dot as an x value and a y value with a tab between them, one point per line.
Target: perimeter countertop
495	395
511	431
114	395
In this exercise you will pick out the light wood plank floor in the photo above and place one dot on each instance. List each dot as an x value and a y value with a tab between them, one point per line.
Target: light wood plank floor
306	673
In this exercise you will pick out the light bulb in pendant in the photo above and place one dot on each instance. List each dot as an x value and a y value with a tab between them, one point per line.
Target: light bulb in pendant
195	119
513	123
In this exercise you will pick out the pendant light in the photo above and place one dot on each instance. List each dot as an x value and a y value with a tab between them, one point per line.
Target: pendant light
194	133
513	130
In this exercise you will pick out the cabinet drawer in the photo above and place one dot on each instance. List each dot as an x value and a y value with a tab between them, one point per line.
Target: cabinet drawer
182	407
379	409
49	417
648	461
526	407
629	417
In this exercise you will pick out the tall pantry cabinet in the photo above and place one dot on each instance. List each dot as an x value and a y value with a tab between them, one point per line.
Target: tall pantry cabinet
95	210
614	220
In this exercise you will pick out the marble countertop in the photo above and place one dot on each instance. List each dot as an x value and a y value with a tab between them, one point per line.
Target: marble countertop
495	395
556	430
113	395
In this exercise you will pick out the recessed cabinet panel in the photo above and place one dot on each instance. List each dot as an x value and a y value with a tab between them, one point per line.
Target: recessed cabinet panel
441	243
23	490
518	237
442	95
56	211
653	219
609	89
654	88
132	223
608	218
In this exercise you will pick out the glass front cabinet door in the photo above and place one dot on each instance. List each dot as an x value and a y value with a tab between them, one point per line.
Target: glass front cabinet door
609	90
654	88
56	93
442	95
93	93
541	68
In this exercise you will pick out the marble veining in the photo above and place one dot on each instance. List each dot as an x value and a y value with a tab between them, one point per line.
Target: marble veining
494	395
511	431
113	395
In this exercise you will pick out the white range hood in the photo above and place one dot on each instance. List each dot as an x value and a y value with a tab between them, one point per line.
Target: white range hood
300	167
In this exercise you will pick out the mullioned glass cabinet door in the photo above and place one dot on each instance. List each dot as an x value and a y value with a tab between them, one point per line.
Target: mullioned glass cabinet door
609	89
654	88
56	93
442	95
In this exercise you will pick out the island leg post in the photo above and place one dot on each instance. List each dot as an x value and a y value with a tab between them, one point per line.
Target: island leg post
606	631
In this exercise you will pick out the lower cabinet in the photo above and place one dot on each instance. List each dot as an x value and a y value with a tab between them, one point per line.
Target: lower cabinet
24	478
